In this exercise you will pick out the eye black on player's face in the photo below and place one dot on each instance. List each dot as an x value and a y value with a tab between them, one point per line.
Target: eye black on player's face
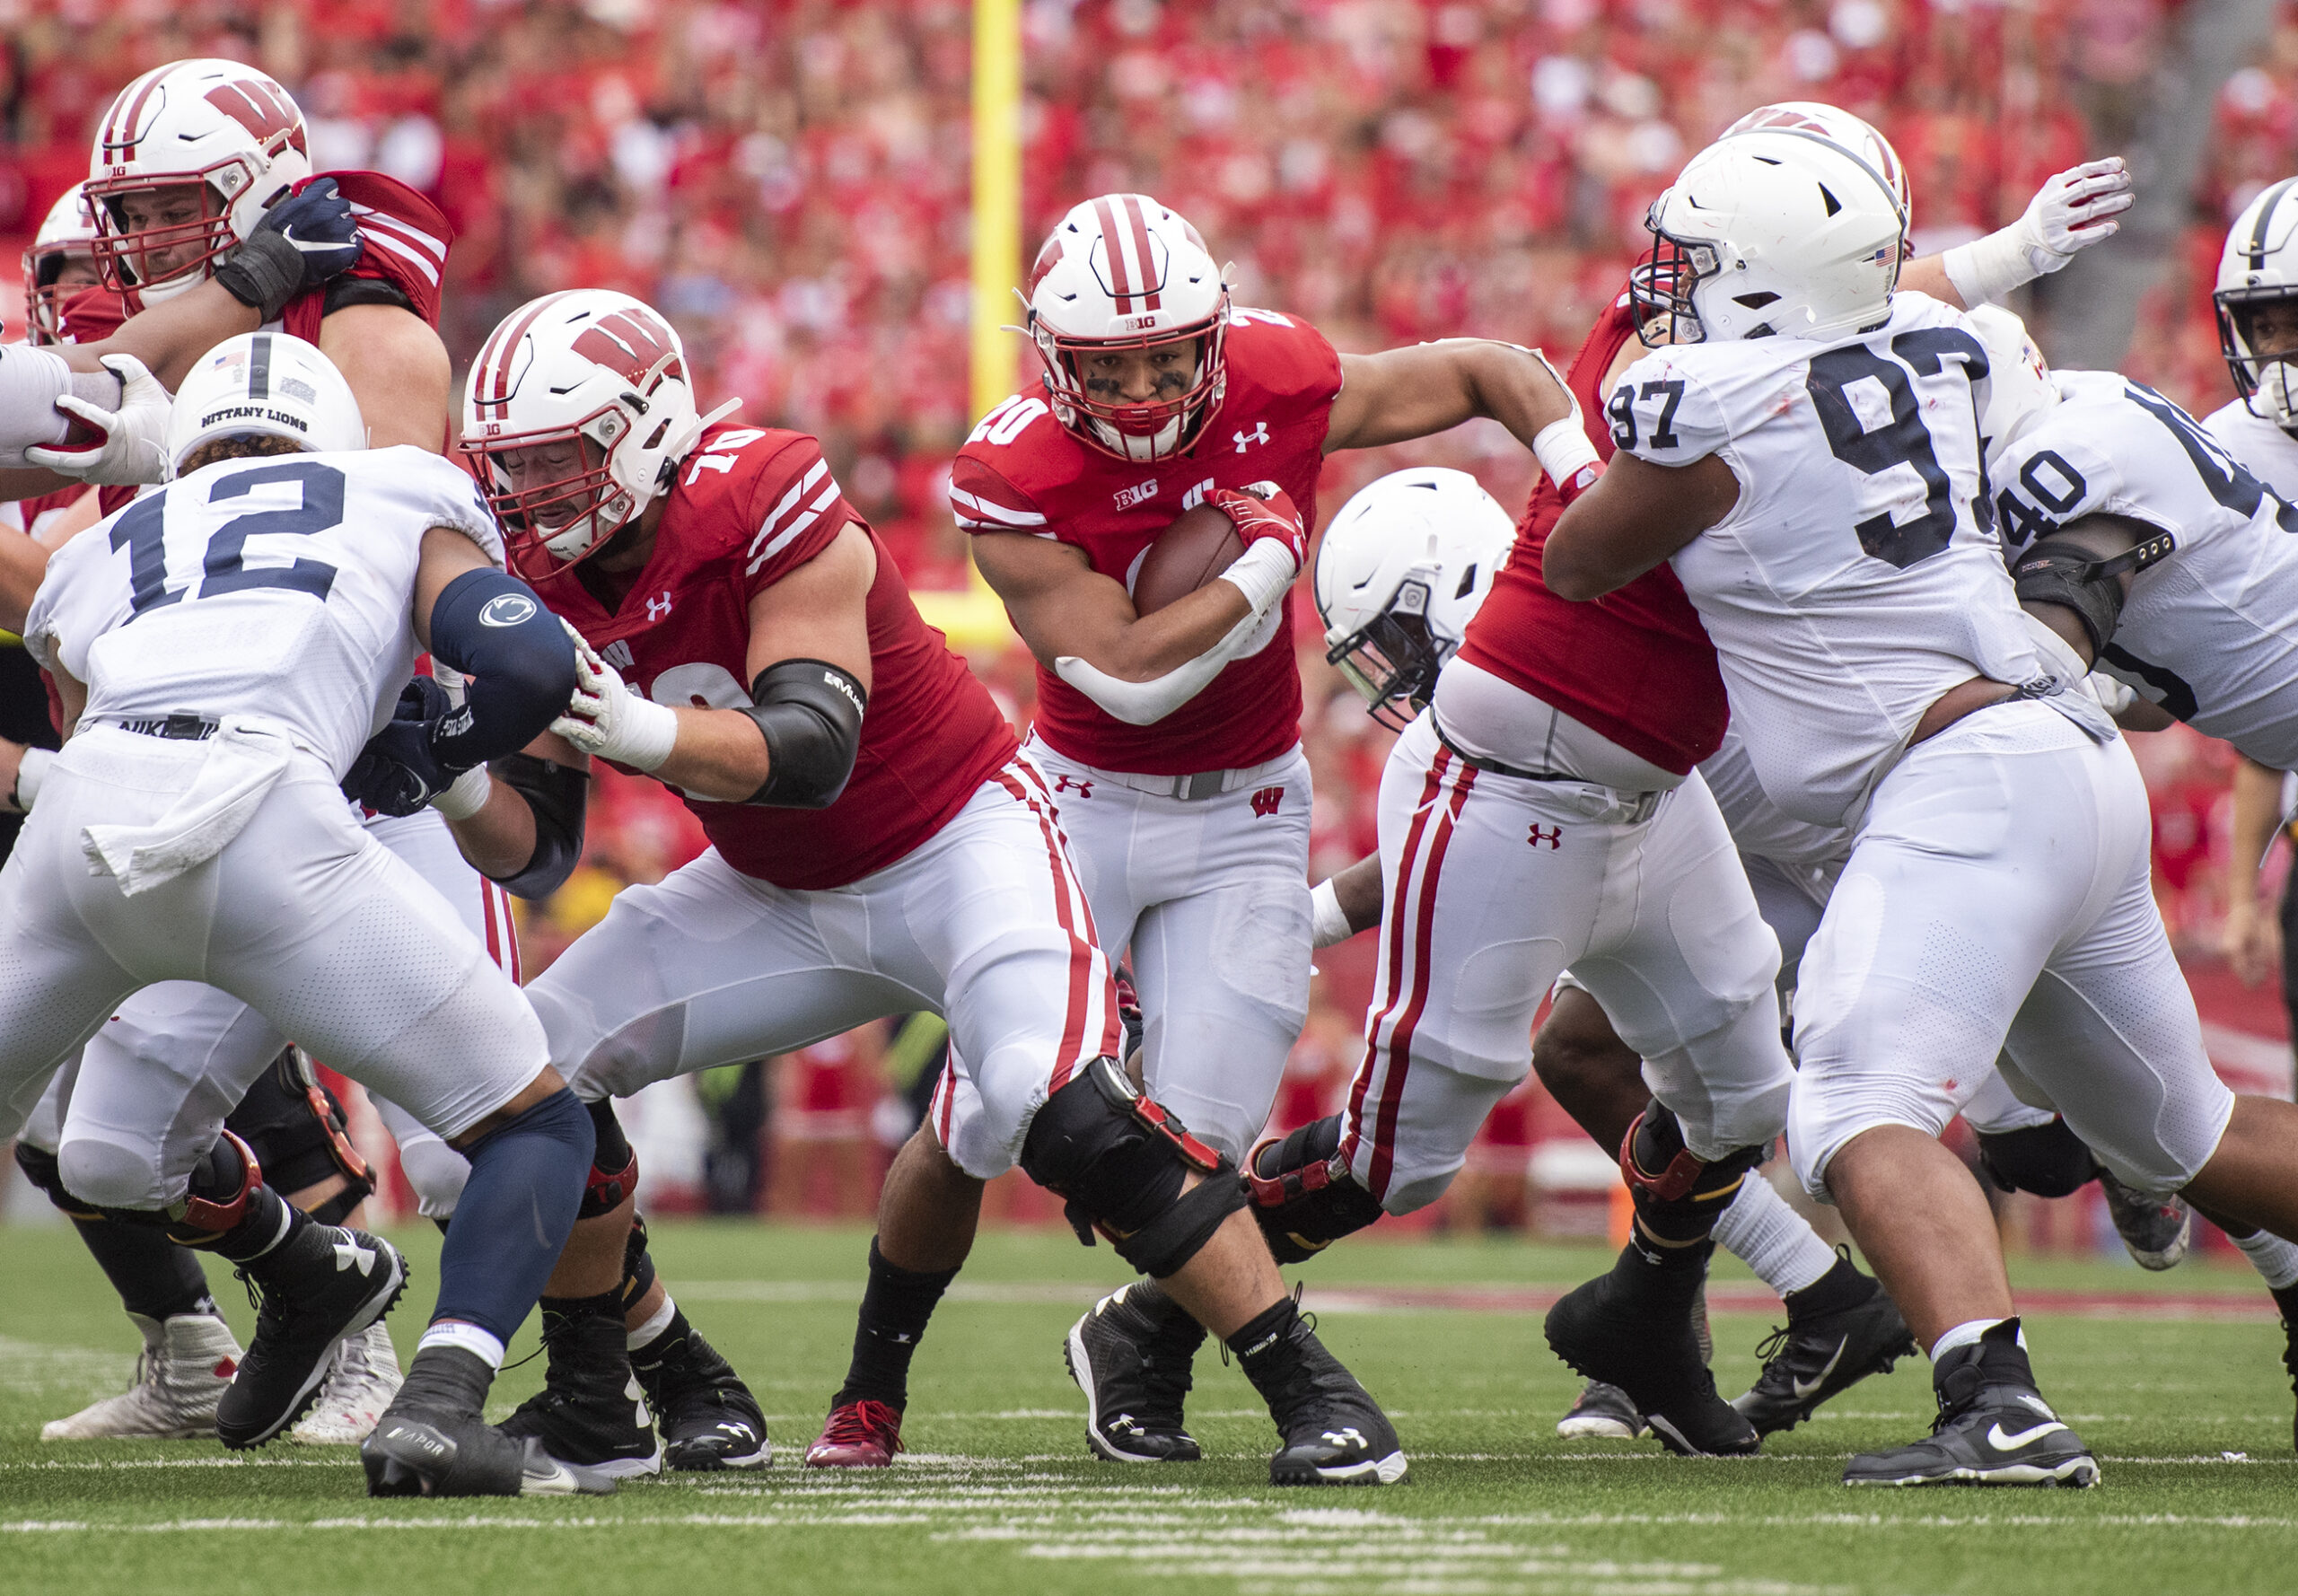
1141	376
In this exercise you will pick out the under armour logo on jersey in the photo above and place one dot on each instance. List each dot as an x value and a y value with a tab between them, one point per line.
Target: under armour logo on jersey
1083	789
1140	493
1260	434
617	655
1553	836
1266	801
659	608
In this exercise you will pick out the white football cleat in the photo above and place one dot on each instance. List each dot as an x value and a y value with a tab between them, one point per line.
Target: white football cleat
360	1384
186	1367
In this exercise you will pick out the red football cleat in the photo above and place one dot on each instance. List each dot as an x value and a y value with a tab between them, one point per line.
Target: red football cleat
862	1434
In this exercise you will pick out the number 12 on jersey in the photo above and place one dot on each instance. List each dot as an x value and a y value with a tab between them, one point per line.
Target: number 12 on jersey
142	531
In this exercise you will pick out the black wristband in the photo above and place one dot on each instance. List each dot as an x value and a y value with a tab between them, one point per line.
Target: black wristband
263	272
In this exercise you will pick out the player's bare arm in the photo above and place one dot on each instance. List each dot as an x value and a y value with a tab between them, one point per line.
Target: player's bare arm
23	556
397	369
1062	606
501	837
2252	939
1633	518
1408	393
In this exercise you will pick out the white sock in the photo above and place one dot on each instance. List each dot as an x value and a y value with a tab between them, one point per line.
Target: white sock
2274	1257
470	1337
656	1322
1762	1230
1967	1334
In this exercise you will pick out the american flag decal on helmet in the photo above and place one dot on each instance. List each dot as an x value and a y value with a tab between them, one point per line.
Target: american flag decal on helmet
1135	274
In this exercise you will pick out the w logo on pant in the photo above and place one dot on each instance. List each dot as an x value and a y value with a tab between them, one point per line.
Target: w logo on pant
1553	836
1266	801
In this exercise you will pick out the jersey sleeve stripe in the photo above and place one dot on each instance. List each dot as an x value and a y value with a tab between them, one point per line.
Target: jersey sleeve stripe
431	245
783	539
782	508
374	232
995	514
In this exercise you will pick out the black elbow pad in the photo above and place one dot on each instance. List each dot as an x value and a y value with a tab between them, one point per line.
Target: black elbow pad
811	714
558	794
2061	571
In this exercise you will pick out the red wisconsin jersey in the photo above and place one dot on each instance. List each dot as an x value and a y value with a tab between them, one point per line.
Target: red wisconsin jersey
1022	471
32	516
1636	664
406	243
750	507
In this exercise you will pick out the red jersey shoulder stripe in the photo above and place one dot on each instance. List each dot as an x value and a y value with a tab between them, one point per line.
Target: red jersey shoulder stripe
789	518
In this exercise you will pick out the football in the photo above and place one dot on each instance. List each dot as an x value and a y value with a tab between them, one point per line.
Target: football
1199	545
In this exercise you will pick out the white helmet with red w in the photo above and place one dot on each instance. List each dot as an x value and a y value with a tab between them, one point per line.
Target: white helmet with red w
68	233
595	377
219	124
1833	123
1122	275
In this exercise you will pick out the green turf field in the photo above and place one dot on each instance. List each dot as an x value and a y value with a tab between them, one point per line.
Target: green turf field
2191	1418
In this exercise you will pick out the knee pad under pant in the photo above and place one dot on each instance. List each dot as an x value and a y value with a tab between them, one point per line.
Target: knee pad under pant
2050	1160
1303	1196
41	1167
1121	1161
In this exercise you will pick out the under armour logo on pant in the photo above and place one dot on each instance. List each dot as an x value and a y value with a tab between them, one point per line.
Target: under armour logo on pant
1084	789
1553	836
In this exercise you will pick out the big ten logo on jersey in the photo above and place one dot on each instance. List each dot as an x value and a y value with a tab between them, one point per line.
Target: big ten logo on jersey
724	450
1008	421
1267	801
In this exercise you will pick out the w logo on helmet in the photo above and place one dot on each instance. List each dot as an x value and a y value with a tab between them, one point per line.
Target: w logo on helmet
262	107
631	344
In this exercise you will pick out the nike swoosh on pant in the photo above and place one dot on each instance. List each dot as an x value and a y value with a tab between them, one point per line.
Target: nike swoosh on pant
2000	1442
1804	1388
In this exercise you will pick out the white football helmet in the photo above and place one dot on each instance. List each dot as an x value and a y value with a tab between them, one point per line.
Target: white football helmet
1833	123
2261	266
1777	230
1123	273
2019	392
267	384
214	122
1401	570
68	233
597	370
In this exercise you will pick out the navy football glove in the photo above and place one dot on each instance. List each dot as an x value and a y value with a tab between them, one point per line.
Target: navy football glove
399	770
304	239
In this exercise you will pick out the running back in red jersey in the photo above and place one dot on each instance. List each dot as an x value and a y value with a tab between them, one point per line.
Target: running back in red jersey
749	508
1022	471
1637	667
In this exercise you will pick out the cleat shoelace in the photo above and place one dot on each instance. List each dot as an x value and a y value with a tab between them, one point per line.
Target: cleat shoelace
860	1424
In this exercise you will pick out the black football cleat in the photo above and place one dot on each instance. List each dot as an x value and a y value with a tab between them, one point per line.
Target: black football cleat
2287	1300
1994	1428
592	1411
1821	1354
1130	1355
431	1442
320	1285
1633	1328
706	1415
1334	1433
2156	1231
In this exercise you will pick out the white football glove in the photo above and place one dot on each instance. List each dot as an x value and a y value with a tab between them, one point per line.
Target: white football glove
127	451
2068	214
606	720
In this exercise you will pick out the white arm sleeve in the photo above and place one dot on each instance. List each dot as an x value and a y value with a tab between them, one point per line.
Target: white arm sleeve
1263	574
31	382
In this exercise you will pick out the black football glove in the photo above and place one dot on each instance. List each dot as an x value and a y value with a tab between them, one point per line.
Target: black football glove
399	770
304	239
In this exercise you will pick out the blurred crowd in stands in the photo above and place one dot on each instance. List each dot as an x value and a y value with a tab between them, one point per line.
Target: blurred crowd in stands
789	180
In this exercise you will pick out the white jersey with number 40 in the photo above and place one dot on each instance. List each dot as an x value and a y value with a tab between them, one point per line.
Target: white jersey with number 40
2207	632
281	586
1858	576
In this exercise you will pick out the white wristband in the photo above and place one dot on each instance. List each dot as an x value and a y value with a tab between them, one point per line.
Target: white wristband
1564	451
646	733
1986	269
465	795
1262	574
1327	924
29	773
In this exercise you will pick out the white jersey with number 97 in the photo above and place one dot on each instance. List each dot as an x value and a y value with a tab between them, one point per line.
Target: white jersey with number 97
2207	632
1858	577
281	586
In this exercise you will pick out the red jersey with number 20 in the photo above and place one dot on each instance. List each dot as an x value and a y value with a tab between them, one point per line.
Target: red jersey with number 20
1022	471
1635	665
751	506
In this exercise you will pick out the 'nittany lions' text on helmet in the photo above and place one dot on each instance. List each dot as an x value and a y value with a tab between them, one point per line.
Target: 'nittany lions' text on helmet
264	384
